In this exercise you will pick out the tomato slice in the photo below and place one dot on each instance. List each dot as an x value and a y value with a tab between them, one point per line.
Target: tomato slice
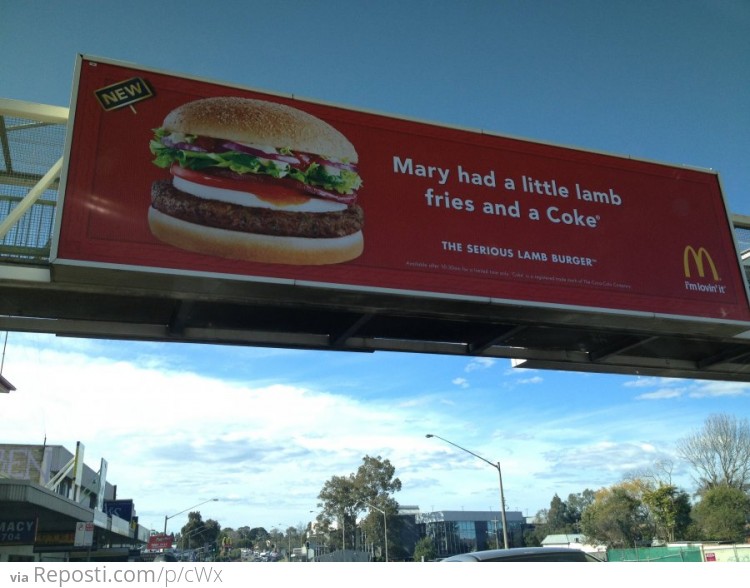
280	191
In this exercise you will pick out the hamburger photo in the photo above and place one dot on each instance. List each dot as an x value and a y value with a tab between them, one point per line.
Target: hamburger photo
257	181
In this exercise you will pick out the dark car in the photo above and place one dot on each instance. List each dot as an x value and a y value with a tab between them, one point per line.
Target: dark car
526	554
166	557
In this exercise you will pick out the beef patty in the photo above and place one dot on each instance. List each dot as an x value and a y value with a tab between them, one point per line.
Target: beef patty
235	217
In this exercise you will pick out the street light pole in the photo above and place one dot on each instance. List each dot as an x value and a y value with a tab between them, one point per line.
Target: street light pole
289	540
166	518
385	527
500	476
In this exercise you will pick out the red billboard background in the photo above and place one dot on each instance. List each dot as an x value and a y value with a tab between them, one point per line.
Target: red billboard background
160	541
446	210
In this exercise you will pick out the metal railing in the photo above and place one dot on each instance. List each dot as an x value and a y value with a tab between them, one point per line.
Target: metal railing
32	140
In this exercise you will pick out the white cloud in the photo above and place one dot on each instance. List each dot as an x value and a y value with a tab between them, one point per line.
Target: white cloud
531	380
480	363
661	394
716	389
667	388
652	382
174	435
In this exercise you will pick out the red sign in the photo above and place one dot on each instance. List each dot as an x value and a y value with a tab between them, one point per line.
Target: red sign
384	203
160	541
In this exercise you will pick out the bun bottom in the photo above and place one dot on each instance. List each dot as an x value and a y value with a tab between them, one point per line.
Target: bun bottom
254	246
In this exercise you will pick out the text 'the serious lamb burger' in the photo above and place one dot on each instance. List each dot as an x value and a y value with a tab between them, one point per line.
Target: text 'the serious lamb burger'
257	181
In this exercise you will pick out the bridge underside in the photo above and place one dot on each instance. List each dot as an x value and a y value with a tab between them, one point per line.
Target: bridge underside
95	303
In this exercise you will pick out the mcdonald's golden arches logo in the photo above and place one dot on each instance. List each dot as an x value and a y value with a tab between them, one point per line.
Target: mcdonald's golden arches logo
700	259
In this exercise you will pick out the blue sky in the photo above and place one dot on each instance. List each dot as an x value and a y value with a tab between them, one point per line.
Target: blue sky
263	429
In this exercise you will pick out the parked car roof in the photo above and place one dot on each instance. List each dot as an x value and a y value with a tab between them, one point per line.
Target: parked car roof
166	557
528	554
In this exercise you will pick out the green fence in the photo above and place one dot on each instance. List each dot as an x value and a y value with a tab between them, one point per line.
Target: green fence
683	553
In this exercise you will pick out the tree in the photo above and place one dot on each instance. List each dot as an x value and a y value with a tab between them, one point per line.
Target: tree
343	498
286	540
576	504
425	550
244	537
719	453
670	509
616	518
258	537
533	537
657	474
722	514
340	505
558	517
561	517
197	532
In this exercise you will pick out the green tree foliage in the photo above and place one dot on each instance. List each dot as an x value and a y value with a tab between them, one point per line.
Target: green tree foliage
562	517
197	532
670	511
286	540
340	506
425	550
722	514
259	535
343	498
616	518
576	504
719	452
244	537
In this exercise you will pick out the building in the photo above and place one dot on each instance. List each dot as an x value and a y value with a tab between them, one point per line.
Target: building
53	507
574	541
458	531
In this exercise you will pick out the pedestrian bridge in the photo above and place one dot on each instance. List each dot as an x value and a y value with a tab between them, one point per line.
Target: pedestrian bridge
38	295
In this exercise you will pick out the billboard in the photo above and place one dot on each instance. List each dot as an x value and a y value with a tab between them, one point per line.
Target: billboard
161	541
123	509
179	175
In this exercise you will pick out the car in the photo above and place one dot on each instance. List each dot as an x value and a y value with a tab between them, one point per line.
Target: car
529	554
166	557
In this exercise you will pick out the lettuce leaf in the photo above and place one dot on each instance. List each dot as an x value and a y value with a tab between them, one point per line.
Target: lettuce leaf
243	163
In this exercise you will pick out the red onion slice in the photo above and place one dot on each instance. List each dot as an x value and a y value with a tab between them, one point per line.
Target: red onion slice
311	157
325	194
260	153
181	145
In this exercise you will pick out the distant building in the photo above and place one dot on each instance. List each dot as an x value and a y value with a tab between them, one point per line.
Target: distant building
452	532
574	541
408	530
53	507
563	540
458	531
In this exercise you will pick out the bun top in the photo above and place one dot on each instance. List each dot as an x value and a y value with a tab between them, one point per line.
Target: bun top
262	123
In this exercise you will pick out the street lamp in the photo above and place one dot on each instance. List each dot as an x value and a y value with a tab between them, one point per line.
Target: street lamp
500	476
166	518
385	527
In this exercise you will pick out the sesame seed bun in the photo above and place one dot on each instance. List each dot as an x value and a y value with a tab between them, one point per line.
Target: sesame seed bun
262	123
